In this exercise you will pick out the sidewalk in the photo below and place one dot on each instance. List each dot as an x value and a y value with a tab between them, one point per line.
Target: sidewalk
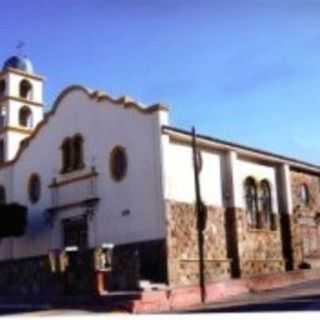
304	296
227	292
183	298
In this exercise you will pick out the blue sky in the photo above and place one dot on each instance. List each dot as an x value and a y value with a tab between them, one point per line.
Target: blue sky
245	71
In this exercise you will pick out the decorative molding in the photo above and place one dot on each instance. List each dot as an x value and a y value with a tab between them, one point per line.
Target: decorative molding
86	176
124	101
22	100
22	73
16	129
89	202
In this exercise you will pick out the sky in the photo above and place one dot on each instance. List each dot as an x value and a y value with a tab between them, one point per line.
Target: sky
247	71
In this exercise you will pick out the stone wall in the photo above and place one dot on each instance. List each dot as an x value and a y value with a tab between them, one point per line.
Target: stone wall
140	260
297	245
25	277
259	250
131	262
305	218
182	245
313	183
33	277
289	242
231	248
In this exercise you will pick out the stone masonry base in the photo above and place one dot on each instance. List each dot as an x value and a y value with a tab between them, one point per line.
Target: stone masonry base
232	249
182	245
185	297
180	298
33	276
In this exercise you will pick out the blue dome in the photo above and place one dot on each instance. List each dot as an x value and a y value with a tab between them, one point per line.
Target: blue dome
20	63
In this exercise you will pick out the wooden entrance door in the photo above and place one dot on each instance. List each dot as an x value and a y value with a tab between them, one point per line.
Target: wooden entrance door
78	276
75	232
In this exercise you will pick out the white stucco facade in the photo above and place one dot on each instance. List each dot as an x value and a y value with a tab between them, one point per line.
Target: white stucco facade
130	210
179	174
160	168
259	172
215	184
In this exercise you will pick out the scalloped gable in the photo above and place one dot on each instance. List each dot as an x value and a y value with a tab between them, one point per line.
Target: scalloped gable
99	96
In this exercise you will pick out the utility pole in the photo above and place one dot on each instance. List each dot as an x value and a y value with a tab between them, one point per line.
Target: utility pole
201	216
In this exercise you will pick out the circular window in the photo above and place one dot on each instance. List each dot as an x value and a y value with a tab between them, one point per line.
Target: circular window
34	188
118	163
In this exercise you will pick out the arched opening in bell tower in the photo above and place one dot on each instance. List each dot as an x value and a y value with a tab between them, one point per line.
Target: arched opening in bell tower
25	117
25	89
2	87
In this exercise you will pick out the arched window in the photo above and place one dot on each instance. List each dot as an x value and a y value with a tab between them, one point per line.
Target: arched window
72	154
3	196
25	117
118	163
266	204
34	188
304	194
251	198
66	155
25	89
78	152
2	87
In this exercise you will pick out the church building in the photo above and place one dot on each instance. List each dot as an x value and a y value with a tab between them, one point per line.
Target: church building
104	172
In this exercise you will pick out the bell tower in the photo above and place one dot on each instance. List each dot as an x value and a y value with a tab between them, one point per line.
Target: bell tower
21	104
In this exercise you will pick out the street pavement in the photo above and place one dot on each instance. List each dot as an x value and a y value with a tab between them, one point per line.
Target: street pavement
301	297
19	313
